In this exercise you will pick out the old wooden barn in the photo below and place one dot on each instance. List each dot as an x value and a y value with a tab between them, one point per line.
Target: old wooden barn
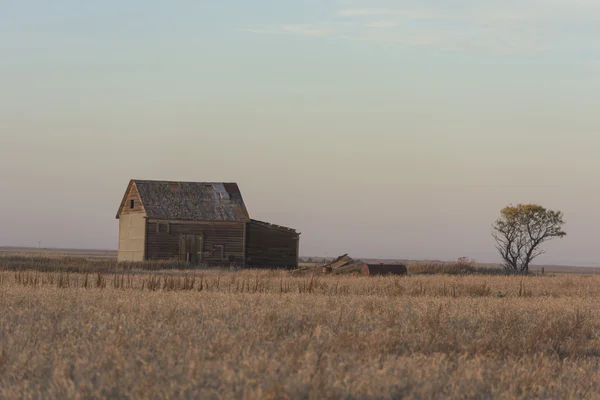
199	222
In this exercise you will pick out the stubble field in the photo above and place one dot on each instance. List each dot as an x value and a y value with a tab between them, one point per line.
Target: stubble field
272	335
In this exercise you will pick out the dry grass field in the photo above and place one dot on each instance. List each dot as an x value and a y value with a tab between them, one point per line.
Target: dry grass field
273	335
59	253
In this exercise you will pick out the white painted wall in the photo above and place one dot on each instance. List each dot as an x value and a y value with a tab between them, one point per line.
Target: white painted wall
132	237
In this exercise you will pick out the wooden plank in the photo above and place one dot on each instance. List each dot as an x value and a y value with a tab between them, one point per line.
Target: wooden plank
182	248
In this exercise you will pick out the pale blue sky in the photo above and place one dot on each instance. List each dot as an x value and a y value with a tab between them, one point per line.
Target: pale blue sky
379	128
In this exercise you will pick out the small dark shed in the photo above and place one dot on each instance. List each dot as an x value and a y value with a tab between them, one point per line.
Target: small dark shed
201	223
384	269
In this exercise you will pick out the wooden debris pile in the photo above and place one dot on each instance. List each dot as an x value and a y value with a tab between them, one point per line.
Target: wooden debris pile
345	264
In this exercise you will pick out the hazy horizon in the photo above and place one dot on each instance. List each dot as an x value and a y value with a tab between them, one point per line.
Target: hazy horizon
380	129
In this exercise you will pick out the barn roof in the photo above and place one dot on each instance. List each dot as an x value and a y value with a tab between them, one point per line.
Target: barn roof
192	201
274	226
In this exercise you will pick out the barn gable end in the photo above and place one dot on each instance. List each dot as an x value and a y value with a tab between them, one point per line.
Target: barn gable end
132	202
132	226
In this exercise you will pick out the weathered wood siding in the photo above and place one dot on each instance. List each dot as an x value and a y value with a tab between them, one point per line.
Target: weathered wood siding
134	196
165	245
270	247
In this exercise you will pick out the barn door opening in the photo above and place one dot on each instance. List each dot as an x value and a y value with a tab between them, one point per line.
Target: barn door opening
190	248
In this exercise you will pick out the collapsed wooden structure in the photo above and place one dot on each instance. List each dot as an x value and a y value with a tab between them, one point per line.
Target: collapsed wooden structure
345	264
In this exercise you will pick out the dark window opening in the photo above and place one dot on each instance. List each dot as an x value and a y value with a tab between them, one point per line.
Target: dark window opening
132	204
218	252
163	227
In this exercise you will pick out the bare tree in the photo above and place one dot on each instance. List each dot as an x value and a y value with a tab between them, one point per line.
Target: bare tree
521	230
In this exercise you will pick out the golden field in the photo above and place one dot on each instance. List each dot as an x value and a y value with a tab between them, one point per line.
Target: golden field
273	335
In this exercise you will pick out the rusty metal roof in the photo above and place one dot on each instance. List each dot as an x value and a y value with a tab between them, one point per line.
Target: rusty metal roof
191	201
